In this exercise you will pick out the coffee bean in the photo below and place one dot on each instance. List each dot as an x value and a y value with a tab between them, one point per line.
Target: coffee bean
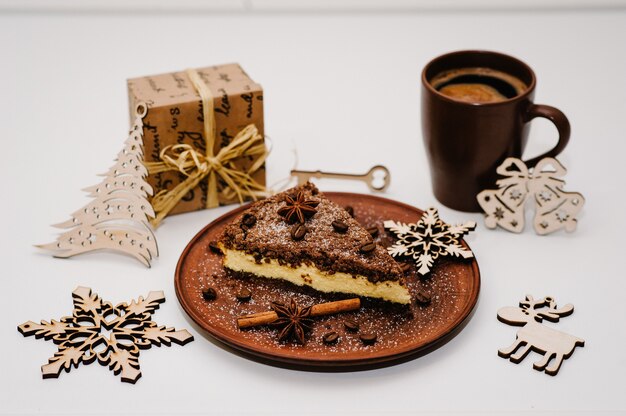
405	267
298	232
214	247
330	337
350	210
368	339
243	295
248	220
209	294
340	226
373	231
422	298
351	325
368	247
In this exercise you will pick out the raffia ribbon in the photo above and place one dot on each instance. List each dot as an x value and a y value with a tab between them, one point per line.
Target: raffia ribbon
196	166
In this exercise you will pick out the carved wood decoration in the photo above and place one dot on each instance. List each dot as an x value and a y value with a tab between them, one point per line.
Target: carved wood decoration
117	219
377	178
555	346
81	337
429	239
555	208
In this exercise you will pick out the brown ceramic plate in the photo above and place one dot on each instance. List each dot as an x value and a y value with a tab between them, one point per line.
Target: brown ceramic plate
403	333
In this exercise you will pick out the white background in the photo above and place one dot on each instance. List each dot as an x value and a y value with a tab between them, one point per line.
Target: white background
343	89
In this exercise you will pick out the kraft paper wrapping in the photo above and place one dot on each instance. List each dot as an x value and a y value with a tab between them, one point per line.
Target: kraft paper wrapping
175	117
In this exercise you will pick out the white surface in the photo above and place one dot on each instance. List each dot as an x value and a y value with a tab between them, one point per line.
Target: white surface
345	91
245	6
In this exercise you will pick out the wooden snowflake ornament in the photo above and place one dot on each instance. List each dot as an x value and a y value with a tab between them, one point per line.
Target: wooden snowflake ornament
117	219
555	208
429	239
81	338
554	345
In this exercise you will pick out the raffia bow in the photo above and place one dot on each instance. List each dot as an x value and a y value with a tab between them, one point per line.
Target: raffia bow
197	166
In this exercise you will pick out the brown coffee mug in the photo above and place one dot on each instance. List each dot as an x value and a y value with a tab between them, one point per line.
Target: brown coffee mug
466	141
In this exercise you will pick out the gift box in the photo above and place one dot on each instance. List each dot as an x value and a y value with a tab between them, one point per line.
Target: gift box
203	137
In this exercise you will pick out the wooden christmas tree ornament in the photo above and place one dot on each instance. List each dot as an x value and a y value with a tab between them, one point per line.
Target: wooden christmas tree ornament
429	239
82	338
117	219
554	345
555	208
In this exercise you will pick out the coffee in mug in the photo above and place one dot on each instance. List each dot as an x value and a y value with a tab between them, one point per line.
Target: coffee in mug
478	85
476	106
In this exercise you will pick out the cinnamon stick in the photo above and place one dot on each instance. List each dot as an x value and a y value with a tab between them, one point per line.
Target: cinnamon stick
328	308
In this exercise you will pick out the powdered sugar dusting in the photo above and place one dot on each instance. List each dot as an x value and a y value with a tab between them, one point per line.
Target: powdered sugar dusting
450	286
322	244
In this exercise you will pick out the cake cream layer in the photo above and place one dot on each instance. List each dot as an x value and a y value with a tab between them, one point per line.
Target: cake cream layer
307	275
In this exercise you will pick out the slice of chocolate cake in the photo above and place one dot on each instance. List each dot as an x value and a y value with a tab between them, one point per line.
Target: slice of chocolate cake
302	237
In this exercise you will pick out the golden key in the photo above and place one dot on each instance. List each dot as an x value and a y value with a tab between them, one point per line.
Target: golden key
375	183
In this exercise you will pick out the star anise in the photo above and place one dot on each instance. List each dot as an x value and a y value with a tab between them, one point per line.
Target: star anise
298	208
293	320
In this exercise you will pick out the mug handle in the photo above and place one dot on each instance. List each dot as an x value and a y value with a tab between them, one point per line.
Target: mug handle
560	122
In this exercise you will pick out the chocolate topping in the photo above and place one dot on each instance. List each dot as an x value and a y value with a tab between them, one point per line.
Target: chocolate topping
244	295
209	294
368	247
215	248
330	337
368	339
339	226
351	325
298	232
248	220
323	247
422	298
